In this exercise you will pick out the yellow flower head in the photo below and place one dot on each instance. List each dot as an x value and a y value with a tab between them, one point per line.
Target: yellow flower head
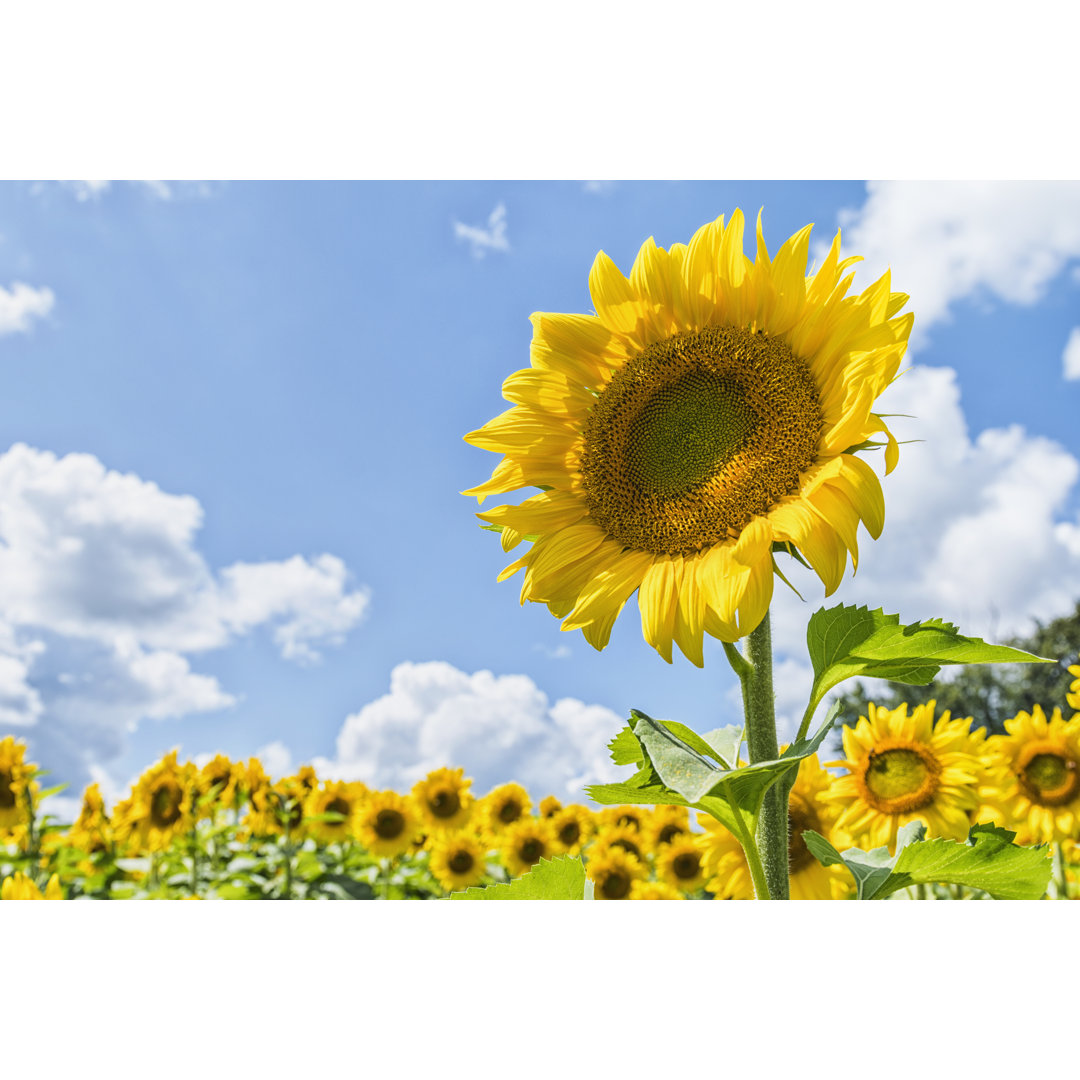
277	809
160	807
574	826
726	869
216	785
502	806
341	799
1073	696
681	863
665	824
387	823
92	831
1036	767
443	800
809	808
654	890
713	407
630	817
20	887
906	767
613	874
457	861
623	837
15	774
549	806
523	844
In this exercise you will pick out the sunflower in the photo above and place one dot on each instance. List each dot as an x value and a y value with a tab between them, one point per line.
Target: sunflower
630	817
711	409
726	868
387	823
549	806
664	824
574	827
654	890
91	831
457	861
20	887
338	798
1073	696
613	874
808	809
681	864
502	807
1036	766
15	774
277	809
523	844
443	800
160	807
624	837
905	768
216	785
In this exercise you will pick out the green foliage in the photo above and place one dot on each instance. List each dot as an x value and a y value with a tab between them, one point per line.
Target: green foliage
990	694
989	861
675	769
561	878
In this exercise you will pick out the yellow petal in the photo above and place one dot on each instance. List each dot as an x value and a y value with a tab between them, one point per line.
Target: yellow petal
658	600
603	599
613	296
689	625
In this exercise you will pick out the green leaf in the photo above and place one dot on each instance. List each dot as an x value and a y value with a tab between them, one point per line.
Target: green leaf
989	861
846	641
624	748
561	878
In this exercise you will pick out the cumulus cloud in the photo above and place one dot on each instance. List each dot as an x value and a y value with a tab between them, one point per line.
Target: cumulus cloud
481	239
21	305
497	727
1070	358
951	241
104	595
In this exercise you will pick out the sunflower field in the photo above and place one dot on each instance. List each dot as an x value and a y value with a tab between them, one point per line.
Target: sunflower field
910	784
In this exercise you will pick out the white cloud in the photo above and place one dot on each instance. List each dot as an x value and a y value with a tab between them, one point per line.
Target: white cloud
1070	358
498	728
598	187
950	241
483	240
162	190
21	305
103	592
553	652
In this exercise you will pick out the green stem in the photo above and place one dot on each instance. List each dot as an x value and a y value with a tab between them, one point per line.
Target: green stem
193	843
753	856
1060	880
759	700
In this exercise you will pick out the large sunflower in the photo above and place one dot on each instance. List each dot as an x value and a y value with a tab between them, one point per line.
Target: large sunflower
160	807
458	861
1037	774
387	823
905	767
523	844
711	409
341	799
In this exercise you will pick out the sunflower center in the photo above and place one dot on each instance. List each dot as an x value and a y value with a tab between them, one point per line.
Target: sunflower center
628	846
697	435
801	816
461	862
165	805
615	886
445	804
570	833
897	780
668	833
510	811
530	850
389	824
1047	776
686	866
7	792
628	820
337	806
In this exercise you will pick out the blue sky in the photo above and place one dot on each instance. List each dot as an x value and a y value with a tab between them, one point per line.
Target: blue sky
231	456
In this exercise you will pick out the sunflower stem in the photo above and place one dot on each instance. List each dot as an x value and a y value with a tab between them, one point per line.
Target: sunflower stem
1061	882
759	702
750	849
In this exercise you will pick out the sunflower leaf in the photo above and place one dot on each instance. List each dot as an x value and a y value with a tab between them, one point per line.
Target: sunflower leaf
989	861
561	878
624	748
847	641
